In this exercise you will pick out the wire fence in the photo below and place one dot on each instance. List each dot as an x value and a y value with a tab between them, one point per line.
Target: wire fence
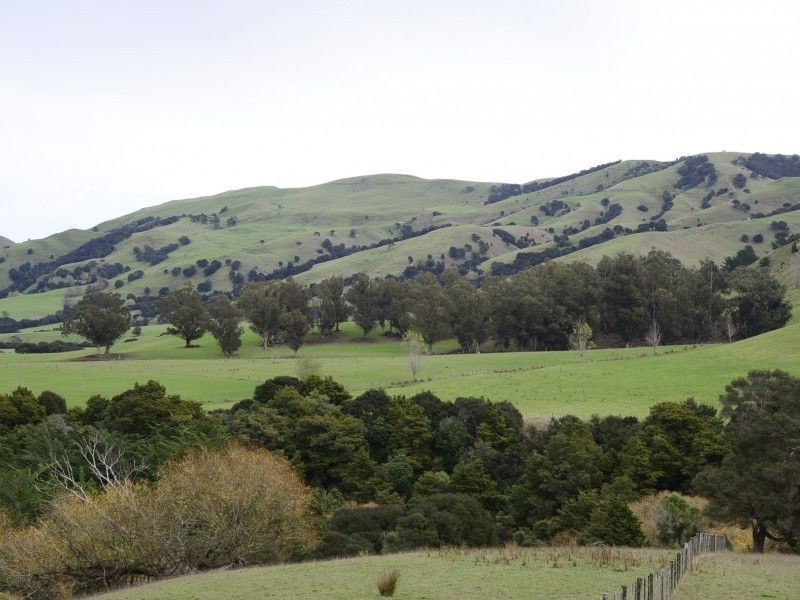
662	584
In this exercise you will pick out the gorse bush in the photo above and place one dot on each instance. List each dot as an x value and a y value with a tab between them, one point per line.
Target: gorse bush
212	509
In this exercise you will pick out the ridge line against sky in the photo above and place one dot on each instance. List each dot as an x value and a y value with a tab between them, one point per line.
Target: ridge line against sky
106	108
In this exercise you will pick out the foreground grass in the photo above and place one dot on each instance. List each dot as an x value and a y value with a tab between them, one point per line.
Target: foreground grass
743	576
452	574
541	384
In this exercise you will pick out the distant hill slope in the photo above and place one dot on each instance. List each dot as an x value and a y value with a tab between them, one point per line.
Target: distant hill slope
4	241
696	207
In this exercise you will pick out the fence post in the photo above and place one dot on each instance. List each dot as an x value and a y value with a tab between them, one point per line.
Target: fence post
661	584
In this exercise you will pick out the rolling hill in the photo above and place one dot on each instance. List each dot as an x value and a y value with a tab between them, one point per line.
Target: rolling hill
706	206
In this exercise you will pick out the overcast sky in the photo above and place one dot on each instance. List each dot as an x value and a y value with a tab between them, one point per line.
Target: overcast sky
107	106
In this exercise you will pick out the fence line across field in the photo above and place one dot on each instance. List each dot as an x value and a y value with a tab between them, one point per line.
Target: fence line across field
662	584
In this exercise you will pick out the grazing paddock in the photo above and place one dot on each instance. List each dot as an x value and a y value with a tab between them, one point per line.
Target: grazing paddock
623	381
742	576
447	574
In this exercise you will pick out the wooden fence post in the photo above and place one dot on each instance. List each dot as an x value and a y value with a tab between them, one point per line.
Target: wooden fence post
623	592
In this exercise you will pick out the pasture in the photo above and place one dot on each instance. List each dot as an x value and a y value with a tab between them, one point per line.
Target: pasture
448	574
731	575
624	381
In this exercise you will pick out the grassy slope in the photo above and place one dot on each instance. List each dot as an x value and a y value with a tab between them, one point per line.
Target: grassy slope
444	575
393	260
694	233
743	576
30	306
294	222
715	241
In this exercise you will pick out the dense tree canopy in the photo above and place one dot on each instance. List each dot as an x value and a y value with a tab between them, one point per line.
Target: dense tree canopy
100	317
225	325
186	313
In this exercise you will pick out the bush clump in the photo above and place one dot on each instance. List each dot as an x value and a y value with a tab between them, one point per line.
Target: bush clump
232	507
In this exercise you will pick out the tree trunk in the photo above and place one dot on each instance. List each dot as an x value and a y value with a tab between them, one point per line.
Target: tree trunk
759	536
188	342
265	340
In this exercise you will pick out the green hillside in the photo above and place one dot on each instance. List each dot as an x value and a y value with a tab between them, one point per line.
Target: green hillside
384	224
4	241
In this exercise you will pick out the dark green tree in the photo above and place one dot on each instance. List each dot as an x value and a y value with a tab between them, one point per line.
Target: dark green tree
294	326
760	301
571	462
431	308
363	298
100	317
613	523
186	313
409	432
145	407
52	403
224	325
470	322
19	408
682	439
333	309
758	482
262	307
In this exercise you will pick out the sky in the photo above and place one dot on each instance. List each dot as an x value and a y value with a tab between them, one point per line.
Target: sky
108	106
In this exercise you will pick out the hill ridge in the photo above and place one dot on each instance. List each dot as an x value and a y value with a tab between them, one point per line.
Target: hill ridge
700	206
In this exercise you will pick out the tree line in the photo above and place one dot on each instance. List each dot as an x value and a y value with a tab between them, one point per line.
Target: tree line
366	474
623	300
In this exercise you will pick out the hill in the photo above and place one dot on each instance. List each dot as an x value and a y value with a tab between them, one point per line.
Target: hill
696	207
4	241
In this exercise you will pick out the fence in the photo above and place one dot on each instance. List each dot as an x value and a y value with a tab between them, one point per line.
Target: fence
661	585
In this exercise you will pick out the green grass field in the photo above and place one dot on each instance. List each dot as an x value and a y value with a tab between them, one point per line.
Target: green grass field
450	574
541	384
31	306
742	576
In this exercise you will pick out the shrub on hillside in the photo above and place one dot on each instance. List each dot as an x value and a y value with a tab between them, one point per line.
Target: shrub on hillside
444	520
212	509
677	521
52	403
357	530
50	347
